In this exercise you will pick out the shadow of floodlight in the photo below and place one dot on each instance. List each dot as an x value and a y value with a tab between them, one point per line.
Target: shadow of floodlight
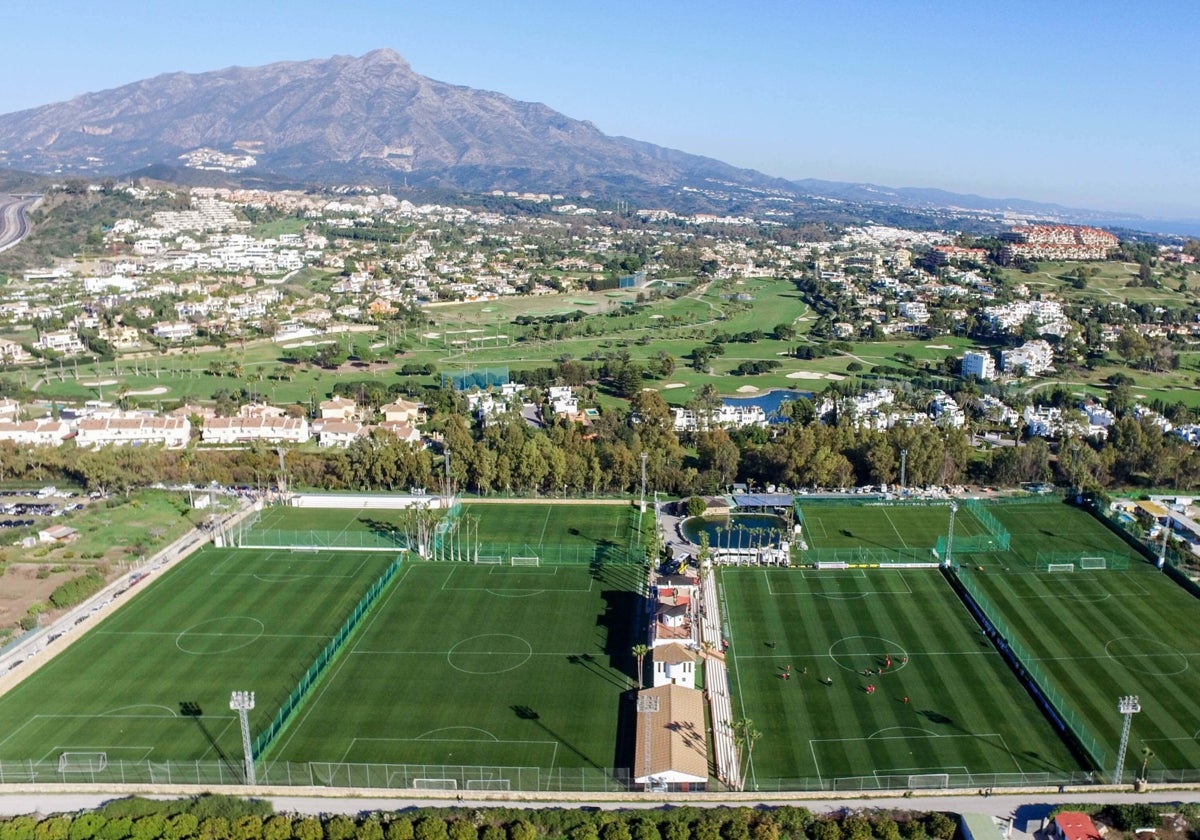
191	709
530	714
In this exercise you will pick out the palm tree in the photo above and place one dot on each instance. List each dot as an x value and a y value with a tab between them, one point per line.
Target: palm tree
744	735
1147	754
640	652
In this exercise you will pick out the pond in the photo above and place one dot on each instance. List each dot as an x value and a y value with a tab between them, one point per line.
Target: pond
769	402
726	531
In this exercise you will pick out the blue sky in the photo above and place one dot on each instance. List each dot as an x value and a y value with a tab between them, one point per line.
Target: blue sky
1087	104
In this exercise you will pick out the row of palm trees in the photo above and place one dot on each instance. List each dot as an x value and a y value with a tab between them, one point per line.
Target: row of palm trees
756	537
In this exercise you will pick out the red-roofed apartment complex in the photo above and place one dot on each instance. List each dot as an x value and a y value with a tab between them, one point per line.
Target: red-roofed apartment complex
1057	242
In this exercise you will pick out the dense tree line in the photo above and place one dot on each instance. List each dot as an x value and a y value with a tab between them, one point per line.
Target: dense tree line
228	818
512	456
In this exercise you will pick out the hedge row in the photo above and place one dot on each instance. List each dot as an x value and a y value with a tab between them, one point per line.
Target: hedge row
229	818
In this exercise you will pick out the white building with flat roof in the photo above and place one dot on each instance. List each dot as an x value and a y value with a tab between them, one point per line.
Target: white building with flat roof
979	363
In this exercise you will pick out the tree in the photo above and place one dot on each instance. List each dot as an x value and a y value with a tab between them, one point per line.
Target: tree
696	506
744	735
640	651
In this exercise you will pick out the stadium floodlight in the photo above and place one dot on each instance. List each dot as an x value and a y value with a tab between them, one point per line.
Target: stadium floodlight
903	464
642	504
946	561
242	702
647	707
1127	706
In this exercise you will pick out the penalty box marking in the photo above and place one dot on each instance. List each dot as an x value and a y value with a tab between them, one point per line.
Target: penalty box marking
493	586
835	575
421	739
1073	583
288	557
974	736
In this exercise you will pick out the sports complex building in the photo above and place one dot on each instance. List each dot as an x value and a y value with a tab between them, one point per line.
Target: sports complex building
846	643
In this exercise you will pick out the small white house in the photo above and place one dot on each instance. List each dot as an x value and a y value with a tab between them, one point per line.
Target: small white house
674	664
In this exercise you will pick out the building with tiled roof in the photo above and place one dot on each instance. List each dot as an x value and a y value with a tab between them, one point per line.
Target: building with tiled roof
671	752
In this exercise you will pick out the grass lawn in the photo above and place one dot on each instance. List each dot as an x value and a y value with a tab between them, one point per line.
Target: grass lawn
1099	635
966	713
474	665
152	681
834	525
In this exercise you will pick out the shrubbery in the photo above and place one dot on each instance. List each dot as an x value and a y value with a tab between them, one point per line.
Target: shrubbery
77	589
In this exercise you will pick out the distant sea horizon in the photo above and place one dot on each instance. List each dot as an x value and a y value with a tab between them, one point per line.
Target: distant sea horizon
1170	227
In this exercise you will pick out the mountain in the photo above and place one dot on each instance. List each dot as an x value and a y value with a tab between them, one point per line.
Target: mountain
344	120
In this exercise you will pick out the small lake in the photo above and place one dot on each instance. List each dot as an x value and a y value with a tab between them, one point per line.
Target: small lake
724	531
770	401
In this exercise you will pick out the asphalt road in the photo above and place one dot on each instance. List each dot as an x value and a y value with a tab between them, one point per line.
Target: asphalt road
14	219
1026	810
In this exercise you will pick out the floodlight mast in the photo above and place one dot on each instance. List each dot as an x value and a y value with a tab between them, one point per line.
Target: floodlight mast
242	702
903	464
642	503
1127	706
946	561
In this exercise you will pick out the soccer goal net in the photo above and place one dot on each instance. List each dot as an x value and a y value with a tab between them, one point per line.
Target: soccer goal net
525	561
435	784
312	549
929	780
82	762
488	784
489	559
1060	567
1091	564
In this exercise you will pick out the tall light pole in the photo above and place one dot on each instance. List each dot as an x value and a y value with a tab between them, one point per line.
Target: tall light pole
647	707
1162	550
903	466
950	536
1127	706
642	504
242	702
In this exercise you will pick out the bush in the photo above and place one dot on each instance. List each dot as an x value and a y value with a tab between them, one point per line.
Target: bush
696	506
77	589
399	829
339	827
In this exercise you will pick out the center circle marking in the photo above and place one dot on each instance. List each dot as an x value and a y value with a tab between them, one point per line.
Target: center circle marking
857	653
489	653
1144	655
219	635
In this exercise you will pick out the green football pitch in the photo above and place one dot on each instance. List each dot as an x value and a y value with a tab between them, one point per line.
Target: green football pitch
464	664
965	711
152	682
1099	635
490	665
831	525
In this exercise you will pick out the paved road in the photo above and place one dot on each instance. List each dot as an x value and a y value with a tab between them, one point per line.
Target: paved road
1027	810
14	219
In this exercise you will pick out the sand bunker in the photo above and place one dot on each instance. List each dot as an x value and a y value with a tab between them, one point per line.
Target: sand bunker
98	383
671	385
805	374
834	376
747	389
150	392
938	347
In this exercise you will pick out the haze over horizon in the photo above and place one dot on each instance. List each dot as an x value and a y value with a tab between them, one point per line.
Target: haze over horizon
1080	106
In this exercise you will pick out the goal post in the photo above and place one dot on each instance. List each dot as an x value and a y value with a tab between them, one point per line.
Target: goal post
525	561
1091	564
489	560
1060	567
82	762
929	780
488	784
435	784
